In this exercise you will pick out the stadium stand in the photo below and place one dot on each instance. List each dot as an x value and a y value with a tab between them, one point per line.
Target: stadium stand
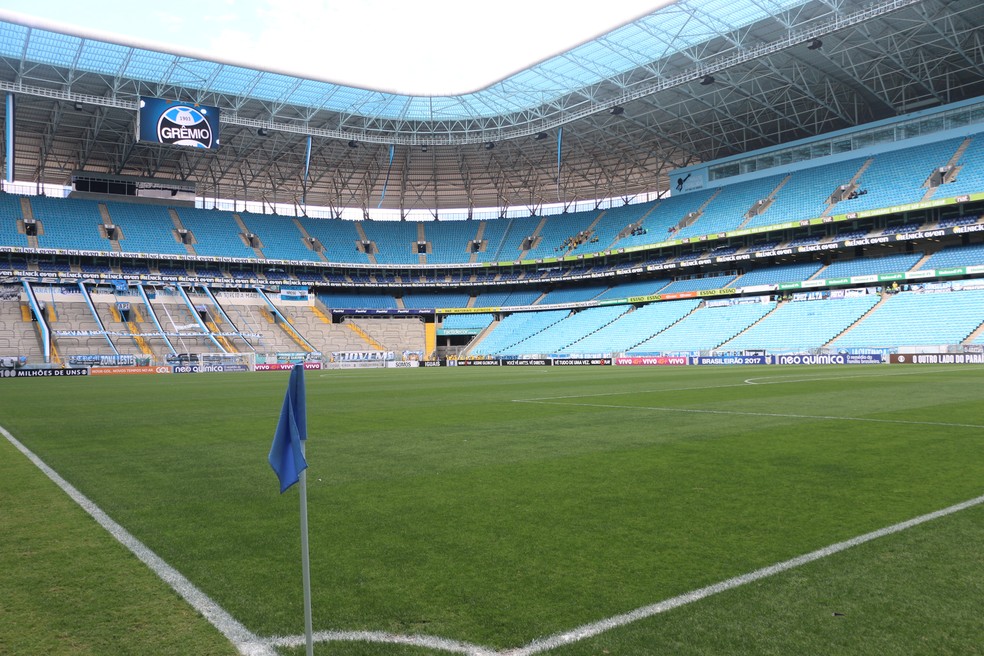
145	228
506	241
957	221
436	300
955	256
470	322
872	266
563	234
844	234
860	320
19	335
216	233
206	271
506	298
698	284
171	270
777	274
516	328
393	334
632	328
615	221
395	241
131	269
902	229
339	239
313	277
629	289
799	326
96	268
762	246
280	237
917	319
10	213
150	229
969	174
805	195
69	224
805	241
662	221
572	295
369	300
557	336
898	176
75	317
494	234
112	320
704	329
450	241
274	337
728	209
54	267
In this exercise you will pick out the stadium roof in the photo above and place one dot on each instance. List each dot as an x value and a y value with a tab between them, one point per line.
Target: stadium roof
384	45
666	32
693	81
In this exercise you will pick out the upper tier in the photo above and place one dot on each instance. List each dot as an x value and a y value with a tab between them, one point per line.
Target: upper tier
870	184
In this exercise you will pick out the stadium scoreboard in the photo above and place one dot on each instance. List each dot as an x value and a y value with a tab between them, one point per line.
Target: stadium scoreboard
177	123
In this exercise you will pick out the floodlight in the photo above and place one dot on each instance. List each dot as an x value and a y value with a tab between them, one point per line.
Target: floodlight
707	79
616	111
815	44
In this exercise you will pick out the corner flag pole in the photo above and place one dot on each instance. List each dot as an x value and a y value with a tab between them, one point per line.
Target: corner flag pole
306	561
289	463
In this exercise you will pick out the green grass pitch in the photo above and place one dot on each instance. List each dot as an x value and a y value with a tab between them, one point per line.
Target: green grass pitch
497	506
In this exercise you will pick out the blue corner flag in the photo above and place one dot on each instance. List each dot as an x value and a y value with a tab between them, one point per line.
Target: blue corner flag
286	454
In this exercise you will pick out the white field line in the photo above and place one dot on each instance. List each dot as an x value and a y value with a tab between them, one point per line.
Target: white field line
381	637
247	642
596	628
791	378
780	380
590	630
784	415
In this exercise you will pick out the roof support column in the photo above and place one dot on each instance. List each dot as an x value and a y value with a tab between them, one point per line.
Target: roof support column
307	169
10	138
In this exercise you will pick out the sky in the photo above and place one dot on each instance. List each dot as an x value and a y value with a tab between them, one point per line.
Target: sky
422	47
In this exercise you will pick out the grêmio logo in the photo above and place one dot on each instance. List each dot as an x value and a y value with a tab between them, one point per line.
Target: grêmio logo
184	126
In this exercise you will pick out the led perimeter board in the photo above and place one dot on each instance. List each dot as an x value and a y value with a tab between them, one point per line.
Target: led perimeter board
177	123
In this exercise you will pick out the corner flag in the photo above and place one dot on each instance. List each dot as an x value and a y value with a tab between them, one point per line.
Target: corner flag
286	453
287	459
